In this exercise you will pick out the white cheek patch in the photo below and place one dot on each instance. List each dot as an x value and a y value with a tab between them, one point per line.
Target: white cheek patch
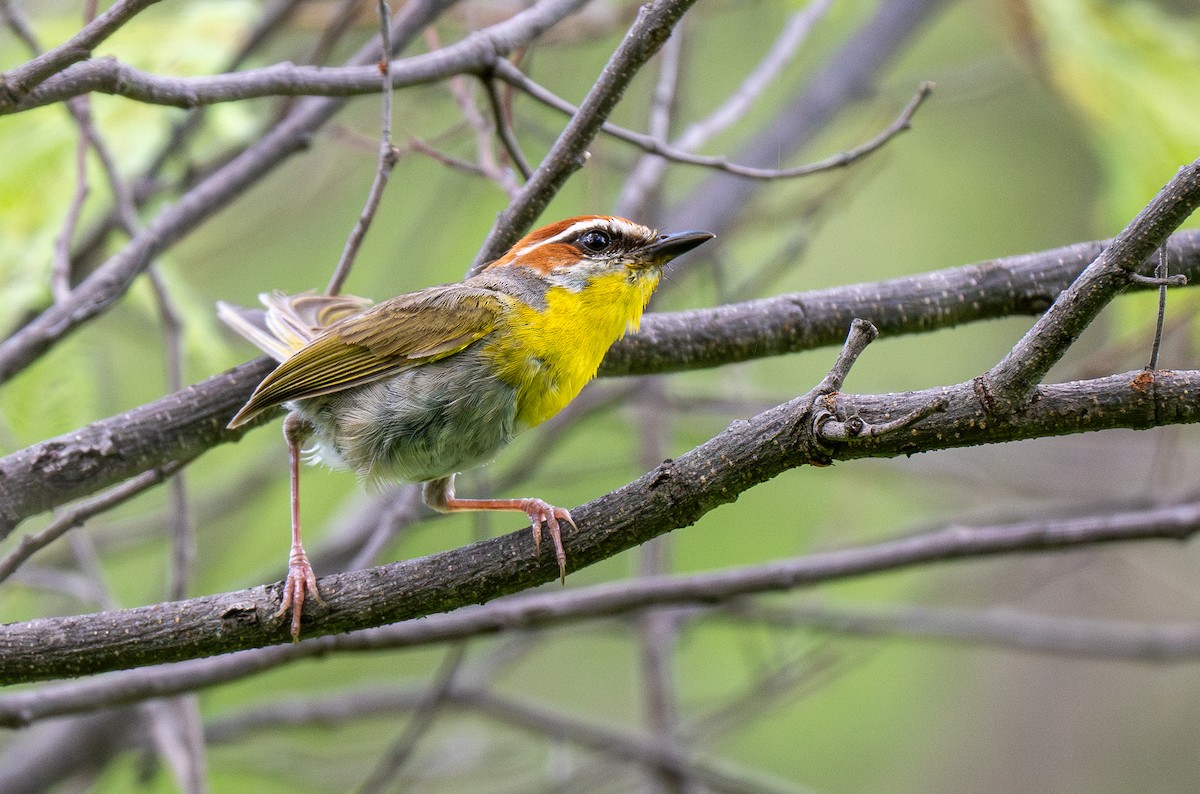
577	277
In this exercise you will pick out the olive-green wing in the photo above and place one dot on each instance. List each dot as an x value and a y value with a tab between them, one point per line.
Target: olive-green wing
399	333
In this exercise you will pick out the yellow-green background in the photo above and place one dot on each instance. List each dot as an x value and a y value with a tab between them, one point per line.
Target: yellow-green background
1052	123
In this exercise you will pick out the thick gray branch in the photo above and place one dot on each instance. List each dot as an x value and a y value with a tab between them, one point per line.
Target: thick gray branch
17	82
675	494
88	460
538	610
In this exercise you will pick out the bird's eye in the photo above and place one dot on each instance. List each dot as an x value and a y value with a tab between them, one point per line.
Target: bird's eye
596	241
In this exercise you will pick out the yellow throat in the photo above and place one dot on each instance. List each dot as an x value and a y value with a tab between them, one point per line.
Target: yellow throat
549	355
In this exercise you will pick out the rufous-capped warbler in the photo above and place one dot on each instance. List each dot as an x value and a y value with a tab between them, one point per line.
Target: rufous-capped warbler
427	384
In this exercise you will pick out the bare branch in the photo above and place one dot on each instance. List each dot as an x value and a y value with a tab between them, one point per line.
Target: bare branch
652	145
849	75
30	544
178	427
644	38
650	750
1010	383
475	54
536	610
387	161
103	287
504	130
1172	643
17	82
184	424
427	709
675	494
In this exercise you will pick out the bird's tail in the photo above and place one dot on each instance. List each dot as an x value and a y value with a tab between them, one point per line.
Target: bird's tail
289	322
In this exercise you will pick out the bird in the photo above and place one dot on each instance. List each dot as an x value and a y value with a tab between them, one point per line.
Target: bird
427	384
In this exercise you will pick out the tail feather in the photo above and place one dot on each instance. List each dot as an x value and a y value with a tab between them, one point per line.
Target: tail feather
290	321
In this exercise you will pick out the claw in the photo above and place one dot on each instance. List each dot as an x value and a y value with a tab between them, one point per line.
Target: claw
301	582
540	512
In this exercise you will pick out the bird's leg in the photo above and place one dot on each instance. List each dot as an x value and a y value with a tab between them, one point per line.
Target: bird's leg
439	494
301	581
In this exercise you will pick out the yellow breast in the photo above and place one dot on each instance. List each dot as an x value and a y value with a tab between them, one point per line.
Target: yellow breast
549	355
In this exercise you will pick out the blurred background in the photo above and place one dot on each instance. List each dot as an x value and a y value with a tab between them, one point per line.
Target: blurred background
1053	122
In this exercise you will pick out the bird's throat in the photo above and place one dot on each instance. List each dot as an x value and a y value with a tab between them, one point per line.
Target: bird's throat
548	356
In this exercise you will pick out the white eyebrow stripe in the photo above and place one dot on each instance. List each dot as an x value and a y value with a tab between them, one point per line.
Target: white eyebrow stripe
567	232
619	226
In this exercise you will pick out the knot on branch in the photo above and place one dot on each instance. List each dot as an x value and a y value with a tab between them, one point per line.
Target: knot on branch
828	427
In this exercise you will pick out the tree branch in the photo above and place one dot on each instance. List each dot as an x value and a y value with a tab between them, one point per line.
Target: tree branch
546	609
675	494
647	34
17	82
104	286
1012	381
652	145
183	424
475	54
850	74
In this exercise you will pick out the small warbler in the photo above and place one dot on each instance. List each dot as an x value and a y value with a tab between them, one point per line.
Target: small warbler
427	384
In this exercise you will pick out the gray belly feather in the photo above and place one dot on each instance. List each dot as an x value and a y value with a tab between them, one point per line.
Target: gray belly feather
421	424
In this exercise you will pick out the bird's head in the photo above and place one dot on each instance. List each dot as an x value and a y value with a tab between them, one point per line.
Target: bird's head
572	253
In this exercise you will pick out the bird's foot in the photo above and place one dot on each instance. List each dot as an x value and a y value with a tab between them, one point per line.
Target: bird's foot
301	583
539	513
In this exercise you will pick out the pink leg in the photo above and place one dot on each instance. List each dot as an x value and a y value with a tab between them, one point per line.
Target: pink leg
439	494
301	581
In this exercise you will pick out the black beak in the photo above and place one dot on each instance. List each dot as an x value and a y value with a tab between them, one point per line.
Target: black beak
669	246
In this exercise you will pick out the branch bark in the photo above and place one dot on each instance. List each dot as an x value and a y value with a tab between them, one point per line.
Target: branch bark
675	494
110	281
185	423
645	37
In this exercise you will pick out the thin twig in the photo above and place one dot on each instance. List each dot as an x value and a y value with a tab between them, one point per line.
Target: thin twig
402	749
650	145
1159	272
649	171
387	159
640	189
420	147
179	514
862	333
60	270
29	544
504	129
489	164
